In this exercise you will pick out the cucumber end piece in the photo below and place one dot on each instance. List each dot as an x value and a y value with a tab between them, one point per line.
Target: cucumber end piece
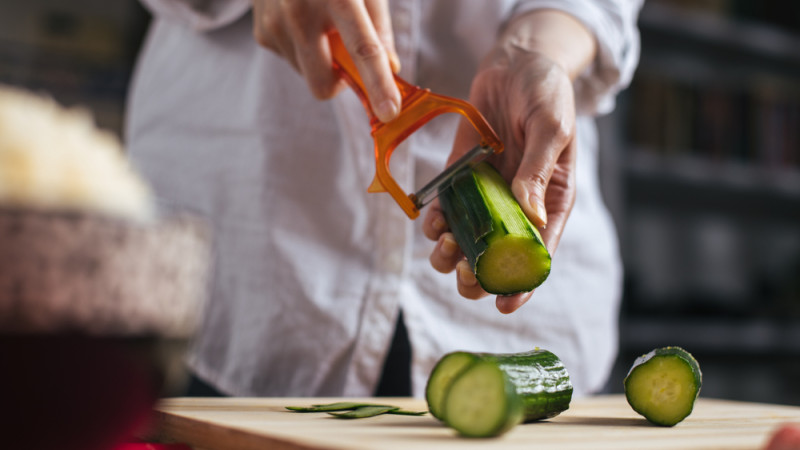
481	402
663	385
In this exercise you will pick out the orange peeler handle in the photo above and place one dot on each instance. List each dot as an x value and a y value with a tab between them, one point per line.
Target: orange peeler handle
418	107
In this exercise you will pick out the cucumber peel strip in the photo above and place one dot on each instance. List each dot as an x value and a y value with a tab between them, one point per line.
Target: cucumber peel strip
353	410
364	411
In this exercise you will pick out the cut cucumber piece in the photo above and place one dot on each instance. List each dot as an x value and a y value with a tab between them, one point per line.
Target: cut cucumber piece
442	375
503	247
482	402
663	385
486	394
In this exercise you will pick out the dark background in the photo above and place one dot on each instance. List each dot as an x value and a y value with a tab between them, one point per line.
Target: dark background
700	168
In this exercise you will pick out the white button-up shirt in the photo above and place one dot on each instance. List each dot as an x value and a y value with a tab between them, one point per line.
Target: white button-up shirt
310	270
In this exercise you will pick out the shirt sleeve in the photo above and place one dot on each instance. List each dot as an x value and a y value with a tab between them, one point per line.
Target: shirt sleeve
200	15
613	23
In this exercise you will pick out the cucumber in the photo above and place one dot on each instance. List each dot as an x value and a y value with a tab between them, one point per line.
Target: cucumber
503	247
442	375
488	394
663	385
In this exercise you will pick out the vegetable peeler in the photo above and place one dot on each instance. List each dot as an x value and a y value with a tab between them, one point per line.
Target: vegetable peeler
418	107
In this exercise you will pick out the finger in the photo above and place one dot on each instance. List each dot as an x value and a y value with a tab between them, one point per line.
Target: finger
369	55
378	10
544	143
446	254
269	32
311	48
434	223
507	304
560	197
468	285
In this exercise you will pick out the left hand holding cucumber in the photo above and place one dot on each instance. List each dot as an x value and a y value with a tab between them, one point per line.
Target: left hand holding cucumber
524	89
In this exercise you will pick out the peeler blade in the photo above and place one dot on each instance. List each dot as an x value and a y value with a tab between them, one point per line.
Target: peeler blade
431	190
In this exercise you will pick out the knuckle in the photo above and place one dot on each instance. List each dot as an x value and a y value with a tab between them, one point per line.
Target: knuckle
559	128
339	5
295	13
538	180
265	30
366	49
262	38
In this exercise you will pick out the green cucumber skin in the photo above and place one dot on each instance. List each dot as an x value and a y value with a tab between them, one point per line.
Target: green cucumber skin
671	351
537	387
365	411
540	380
455	202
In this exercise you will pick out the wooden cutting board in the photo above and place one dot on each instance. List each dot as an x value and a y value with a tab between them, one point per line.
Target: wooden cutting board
591	423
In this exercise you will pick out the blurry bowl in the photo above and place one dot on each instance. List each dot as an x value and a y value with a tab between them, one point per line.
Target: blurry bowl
95	314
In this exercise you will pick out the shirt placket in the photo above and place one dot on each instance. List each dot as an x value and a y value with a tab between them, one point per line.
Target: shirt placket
392	236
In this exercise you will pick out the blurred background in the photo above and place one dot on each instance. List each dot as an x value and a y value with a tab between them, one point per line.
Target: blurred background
700	168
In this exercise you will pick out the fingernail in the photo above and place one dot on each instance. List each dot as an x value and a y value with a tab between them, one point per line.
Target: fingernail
533	206
449	246
439	225
386	110
465	275
394	61
540	213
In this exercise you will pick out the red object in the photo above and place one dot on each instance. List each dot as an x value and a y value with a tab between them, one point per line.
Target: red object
149	446
787	437
73	392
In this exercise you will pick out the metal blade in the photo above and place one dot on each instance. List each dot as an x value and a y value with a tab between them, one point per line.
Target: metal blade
431	190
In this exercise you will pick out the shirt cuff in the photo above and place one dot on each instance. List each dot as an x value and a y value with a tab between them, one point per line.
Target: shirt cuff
613	24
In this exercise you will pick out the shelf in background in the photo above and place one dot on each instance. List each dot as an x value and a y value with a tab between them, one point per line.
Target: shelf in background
683	181
717	32
713	335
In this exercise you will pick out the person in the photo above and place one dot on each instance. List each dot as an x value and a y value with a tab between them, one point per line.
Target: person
316	281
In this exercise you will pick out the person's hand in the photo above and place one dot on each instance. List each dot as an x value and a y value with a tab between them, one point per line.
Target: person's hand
296	30
527	97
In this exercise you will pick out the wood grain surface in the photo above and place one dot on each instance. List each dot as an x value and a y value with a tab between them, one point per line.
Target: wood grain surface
595	422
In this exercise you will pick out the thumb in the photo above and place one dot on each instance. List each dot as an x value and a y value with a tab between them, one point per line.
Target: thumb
530	186
545	141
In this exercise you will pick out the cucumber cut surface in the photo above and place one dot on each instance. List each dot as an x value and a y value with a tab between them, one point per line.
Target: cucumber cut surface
442	375
481	402
663	385
506	265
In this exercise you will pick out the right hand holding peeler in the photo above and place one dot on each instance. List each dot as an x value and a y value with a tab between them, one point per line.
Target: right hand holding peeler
418	107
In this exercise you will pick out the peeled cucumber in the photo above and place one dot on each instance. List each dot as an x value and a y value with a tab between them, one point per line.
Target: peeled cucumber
503	247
